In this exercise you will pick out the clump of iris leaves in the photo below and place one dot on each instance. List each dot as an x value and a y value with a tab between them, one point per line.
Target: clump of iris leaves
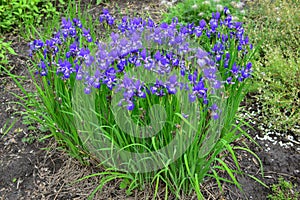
208	64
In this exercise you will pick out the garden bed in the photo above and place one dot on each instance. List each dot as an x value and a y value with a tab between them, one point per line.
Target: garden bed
30	169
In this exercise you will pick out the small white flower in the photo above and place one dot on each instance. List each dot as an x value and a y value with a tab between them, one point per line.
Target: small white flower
206	2
195	6
278	19
201	14
169	4
243	12
163	2
219	7
239	5
233	3
235	18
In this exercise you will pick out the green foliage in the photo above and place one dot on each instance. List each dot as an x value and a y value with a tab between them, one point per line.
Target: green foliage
14	14
28	139
277	68
189	11
54	104
276	23
98	2
279	90
284	190
5	49
6	128
54	101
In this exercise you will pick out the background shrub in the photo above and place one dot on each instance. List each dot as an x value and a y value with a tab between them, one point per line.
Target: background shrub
189	11
15	14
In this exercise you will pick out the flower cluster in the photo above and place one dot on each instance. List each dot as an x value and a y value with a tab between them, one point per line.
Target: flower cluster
159	48
220	50
105	16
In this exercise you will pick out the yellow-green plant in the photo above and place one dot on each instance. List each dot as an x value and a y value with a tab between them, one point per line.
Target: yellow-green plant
284	190
275	25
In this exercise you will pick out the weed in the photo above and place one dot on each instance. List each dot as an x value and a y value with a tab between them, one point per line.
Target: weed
284	190
5	49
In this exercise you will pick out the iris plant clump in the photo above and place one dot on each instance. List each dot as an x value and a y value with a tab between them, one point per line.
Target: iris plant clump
131	47
208	61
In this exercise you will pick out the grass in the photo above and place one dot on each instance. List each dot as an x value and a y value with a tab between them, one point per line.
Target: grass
7	127
275	26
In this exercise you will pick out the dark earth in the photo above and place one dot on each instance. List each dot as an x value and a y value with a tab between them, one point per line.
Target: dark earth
34	169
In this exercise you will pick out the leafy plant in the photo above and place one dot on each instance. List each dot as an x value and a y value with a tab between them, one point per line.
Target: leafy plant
29	139
120	89
14	14
284	190
189	11
5	49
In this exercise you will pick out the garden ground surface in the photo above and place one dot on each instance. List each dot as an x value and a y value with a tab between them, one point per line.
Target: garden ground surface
30	169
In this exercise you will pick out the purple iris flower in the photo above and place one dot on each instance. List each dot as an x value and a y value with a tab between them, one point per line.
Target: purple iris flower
105	16
65	68
216	15
235	69
38	44
172	84
197	31
226	11
77	23
44	70
213	24
202	24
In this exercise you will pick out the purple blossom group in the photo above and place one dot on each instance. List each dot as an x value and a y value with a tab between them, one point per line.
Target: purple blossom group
158	48
106	17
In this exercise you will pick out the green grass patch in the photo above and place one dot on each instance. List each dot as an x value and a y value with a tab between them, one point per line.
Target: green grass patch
275	26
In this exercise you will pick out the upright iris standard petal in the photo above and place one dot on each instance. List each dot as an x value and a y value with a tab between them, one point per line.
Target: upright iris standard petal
202	24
